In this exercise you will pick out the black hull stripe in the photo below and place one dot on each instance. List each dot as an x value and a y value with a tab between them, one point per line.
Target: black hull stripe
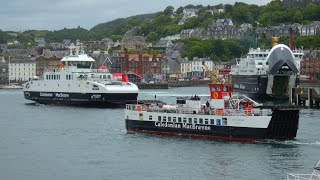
81	99
214	132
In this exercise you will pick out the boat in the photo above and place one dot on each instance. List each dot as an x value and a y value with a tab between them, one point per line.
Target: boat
12	86
267	73
315	175
76	83
227	115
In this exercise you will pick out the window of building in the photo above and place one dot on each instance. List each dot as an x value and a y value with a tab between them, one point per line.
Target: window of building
179	119
164	118
190	120
211	121
159	118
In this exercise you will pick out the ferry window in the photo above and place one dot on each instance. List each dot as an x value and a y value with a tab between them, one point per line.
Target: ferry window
190	120
195	120
179	119
169	118
104	76
259	63
164	118
184	120
67	77
159	118
224	121
150	117
47	77
211	121
109	77
200	121
174	119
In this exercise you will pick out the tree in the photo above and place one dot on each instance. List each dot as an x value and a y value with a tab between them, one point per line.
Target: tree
298	17
179	10
168	11
152	37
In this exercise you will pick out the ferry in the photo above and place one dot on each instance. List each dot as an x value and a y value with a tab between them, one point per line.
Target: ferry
267	73
225	116
76	83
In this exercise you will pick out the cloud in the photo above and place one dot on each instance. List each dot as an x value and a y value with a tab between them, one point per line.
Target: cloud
54	15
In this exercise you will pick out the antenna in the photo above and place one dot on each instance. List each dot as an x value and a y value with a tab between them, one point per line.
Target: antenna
107	59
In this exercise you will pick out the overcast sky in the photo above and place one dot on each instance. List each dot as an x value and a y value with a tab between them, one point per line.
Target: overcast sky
24	15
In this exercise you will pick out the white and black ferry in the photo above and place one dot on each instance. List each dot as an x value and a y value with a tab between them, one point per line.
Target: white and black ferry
225	116
75	83
267	73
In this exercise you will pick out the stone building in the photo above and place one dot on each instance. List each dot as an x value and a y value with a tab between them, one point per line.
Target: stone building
148	65
311	63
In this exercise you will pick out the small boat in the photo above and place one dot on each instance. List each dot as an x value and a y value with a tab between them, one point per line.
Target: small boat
225	116
315	175
12	86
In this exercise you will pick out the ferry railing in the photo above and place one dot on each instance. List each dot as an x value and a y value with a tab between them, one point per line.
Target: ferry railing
201	111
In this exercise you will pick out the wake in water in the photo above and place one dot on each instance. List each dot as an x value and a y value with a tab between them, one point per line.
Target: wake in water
288	142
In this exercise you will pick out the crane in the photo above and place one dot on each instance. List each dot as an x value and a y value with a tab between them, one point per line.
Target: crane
214	76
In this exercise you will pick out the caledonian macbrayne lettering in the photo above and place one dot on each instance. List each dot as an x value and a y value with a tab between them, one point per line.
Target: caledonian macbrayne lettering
182	125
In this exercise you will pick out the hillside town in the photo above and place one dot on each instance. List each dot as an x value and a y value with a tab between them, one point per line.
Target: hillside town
145	61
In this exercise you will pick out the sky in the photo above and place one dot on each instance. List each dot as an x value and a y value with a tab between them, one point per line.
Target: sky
21	15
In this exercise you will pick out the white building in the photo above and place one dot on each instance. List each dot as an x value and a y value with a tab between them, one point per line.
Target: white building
22	70
198	68
186	67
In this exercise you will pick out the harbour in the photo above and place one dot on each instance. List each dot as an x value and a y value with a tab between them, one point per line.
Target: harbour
65	142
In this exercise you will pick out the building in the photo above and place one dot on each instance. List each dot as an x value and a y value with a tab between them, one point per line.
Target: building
197	67
4	73
311	63
133	43
186	68
46	64
147	65
310	29
22	70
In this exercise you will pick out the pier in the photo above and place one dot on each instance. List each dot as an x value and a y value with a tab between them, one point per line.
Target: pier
306	95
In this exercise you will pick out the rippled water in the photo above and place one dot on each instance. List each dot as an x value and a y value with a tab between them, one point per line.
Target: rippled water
59	142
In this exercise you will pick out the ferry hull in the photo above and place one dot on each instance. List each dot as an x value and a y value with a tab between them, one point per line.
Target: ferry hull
82	99
283	125
216	132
